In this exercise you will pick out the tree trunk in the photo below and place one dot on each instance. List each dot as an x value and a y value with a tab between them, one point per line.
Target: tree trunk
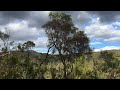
28	54
46	55
65	70
64	64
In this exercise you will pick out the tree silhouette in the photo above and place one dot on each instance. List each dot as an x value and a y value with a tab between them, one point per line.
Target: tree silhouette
20	47
28	45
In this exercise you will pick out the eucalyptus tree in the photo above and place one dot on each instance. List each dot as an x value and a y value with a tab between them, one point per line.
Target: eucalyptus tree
65	38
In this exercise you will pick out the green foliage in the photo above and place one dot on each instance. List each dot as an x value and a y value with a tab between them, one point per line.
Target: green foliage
16	67
65	38
75	59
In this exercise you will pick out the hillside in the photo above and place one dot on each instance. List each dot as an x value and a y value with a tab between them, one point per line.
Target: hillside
95	55
17	66
116	54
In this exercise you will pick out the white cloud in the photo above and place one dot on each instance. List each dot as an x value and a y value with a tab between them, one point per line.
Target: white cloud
113	39
41	42
104	32
107	48
21	31
116	23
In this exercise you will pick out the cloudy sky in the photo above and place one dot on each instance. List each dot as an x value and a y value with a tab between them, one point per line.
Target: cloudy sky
102	27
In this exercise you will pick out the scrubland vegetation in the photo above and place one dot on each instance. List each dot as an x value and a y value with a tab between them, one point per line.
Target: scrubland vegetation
74	59
104	66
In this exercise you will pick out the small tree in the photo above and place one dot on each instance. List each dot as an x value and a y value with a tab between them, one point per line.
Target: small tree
20	48
5	39
28	46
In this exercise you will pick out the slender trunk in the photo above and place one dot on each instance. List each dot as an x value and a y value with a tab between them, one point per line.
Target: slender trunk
64	64
46	55
28	52
65	70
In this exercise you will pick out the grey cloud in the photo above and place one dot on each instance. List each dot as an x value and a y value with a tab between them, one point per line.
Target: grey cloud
15	14
79	17
9	16
37	19
82	17
106	16
26	35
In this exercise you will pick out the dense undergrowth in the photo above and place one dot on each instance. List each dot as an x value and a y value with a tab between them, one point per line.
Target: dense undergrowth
17	67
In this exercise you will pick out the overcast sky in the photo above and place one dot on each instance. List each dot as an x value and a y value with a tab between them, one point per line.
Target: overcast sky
102	27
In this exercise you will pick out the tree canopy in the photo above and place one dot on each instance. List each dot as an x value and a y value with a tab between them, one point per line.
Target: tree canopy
64	37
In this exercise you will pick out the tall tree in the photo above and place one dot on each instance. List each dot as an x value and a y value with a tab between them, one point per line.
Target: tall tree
65	38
